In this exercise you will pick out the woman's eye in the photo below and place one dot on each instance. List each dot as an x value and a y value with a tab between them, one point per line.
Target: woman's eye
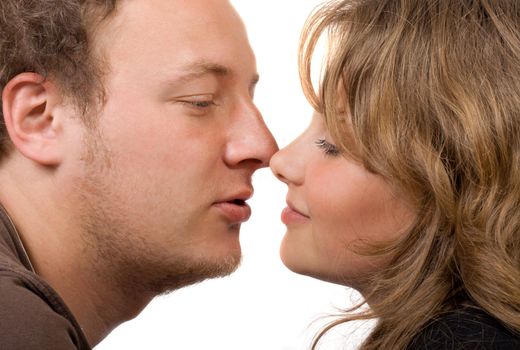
328	148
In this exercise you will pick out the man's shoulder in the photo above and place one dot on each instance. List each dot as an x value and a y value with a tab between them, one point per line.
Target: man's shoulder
29	318
469	328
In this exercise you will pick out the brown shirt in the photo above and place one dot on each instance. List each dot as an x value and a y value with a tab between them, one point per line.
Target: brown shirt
32	314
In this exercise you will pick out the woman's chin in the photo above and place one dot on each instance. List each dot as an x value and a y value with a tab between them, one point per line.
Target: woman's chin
306	268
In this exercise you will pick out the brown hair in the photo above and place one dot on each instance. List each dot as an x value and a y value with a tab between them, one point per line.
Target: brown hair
432	94
52	38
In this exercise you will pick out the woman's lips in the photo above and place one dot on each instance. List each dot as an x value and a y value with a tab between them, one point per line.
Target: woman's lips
291	216
235	213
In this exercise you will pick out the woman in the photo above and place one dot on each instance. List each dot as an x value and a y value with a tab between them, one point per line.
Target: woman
406	185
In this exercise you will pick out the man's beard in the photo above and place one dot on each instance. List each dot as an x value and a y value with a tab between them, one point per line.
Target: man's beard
120	252
135	266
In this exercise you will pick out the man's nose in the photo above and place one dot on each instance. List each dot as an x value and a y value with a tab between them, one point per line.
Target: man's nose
251	143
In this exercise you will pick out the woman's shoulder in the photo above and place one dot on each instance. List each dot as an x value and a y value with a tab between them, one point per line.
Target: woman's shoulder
468	328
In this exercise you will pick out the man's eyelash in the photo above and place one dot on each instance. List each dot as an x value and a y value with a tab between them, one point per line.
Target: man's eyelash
200	104
328	148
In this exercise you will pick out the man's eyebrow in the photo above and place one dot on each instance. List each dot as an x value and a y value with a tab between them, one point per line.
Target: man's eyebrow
194	71
199	69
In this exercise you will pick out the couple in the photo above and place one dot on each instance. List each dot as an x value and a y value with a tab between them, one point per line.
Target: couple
130	137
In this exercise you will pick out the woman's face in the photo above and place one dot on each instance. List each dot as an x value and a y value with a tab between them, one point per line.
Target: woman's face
334	208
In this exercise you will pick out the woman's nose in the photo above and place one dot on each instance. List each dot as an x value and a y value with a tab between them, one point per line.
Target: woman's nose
288	164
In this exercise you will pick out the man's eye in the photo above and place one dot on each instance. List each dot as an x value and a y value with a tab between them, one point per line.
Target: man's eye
328	148
200	104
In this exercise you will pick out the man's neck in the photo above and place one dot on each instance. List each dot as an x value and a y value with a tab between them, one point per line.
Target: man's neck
55	247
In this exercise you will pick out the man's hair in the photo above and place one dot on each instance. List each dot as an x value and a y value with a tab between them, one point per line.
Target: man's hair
426	94
53	38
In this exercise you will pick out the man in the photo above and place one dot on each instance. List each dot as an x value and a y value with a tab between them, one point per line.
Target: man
129	144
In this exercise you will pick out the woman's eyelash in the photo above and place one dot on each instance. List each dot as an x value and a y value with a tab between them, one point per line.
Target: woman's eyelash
327	147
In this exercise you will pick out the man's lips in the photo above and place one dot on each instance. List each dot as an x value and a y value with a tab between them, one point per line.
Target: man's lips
235	208
235	212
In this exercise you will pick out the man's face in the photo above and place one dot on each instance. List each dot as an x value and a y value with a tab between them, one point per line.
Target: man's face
170	162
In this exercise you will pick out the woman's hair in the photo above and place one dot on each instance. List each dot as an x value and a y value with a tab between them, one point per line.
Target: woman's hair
52	38
426	94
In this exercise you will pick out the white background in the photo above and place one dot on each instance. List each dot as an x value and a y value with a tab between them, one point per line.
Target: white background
263	306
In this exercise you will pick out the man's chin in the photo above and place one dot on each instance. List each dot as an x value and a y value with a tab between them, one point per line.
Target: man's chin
193	272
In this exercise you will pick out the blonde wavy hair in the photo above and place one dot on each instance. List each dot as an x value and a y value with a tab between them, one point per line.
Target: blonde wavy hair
430	101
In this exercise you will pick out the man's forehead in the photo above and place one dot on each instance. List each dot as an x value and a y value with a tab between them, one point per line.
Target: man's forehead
160	41
175	11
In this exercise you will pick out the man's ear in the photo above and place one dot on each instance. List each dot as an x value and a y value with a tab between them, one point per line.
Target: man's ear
29	106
